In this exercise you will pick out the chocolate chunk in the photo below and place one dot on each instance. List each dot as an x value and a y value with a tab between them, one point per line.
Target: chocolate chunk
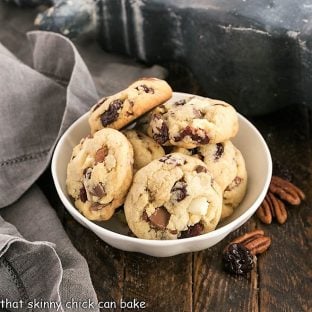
99	104
180	103
165	158
192	231
129	111
111	114
87	173
83	195
151	196
234	183
200	169
160	218
100	154
179	190
145	88
163	136
145	216
197	113
200	156
97	206
188	131
168	159
98	190
219	151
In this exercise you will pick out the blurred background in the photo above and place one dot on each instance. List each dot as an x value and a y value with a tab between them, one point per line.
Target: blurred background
254	54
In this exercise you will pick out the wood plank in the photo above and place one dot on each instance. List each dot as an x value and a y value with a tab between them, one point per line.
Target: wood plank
164	284
106	263
285	275
216	290
286	269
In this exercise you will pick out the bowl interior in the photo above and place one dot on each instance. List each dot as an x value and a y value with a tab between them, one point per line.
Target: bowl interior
248	141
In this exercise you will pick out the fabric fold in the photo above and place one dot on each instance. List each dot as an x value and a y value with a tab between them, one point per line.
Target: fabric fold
19	277
42	249
39	108
38	263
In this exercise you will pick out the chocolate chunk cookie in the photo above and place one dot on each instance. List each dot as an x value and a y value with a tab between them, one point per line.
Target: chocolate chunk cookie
219	159
145	149
120	109
99	173
173	197
192	122
227	166
235	191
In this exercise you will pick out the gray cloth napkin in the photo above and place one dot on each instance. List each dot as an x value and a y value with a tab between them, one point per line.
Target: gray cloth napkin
40	270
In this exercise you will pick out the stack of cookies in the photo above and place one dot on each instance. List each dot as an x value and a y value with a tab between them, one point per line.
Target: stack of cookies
169	162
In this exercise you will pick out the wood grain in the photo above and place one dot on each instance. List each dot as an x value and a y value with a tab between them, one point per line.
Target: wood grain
282	278
106	263
286	269
165	284
215	290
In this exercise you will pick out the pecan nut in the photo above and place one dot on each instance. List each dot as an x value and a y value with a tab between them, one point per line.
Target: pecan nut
255	241
272	207
286	190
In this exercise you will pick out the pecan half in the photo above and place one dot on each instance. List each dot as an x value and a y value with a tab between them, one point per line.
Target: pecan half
286	190
272	207
255	241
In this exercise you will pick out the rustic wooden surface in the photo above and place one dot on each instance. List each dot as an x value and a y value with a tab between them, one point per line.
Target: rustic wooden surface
282	278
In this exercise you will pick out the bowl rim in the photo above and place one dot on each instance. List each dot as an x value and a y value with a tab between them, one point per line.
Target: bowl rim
226	229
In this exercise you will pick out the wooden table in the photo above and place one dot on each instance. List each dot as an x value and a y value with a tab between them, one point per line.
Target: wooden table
282	278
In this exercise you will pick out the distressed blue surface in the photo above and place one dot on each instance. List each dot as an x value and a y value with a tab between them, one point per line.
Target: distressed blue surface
70	18
254	54
257	54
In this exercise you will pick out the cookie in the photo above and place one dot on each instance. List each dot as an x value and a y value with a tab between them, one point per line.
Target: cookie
173	197
192	122
145	149
99	173
120	109
227	166
235	191
219	159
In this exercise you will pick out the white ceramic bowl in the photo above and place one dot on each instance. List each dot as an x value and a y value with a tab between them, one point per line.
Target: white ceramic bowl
259	167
